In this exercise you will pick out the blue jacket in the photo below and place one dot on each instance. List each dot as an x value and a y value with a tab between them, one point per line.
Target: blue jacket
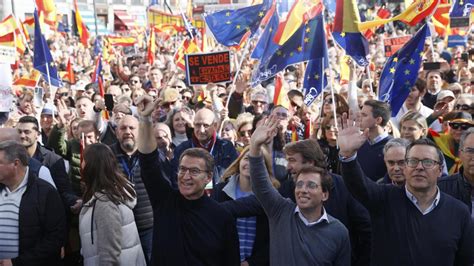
224	154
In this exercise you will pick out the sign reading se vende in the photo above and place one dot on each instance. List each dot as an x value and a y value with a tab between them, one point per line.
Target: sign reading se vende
392	45
208	68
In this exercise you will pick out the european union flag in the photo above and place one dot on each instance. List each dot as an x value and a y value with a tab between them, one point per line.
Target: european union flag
315	79
42	60
305	44
401	71
266	46
355	45
230	26
98	46
97	70
461	8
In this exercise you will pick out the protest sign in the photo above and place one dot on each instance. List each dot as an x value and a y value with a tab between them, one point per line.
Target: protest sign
6	97
392	45
7	54
208	68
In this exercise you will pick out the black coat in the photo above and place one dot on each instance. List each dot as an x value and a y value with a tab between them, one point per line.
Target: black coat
261	247
41	224
457	187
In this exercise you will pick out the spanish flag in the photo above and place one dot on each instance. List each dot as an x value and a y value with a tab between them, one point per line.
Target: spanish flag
187	47
28	80
10	25
68	75
413	14
280	96
121	41
81	27
151	47
300	13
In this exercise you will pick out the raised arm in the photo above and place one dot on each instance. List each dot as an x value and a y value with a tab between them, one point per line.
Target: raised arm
272	202
350	139
157	186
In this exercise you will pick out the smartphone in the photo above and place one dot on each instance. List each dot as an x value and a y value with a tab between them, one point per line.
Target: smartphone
109	101
465	57
431	65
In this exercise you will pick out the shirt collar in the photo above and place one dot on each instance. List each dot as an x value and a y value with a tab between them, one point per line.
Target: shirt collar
22	184
378	139
323	217
412	198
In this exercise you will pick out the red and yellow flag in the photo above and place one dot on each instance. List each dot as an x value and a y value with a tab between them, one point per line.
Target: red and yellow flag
81	27
300	12
9	25
187	47
151	47
68	75
28	80
413	14
121	41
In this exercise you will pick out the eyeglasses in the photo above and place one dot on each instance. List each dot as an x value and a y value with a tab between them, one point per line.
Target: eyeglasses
400	163
469	151
177	87
328	101
426	163
193	171
463	107
281	115
63	94
245	133
186	98
310	185
462	126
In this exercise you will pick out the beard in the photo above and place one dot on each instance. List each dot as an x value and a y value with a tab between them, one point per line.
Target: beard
128	145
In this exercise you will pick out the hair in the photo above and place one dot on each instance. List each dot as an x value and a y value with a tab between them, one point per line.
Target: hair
243	119
326	179
464	136
309	150
171	114
394	130
380	109
326	121
30	119
88	126
341	103
435	71
26	95
14	150
235	166
416	117
84	97
201	154
396	142
102	174
426	142
420	85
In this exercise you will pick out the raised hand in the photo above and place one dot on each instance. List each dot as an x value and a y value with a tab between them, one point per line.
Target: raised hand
63	112
146	105
263	134
350	138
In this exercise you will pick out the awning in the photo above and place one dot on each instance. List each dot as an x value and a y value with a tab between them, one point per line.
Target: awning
89	19
123	21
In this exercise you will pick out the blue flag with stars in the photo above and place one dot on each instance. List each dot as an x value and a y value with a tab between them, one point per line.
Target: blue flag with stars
401	71
307	43
315	79
42	60
230	26
461	8
266	46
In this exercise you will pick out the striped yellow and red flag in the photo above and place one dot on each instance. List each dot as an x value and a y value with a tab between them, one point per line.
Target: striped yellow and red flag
280	96
28	80
81	27
440	18
151	49
9	25
187	47
121	41
48	13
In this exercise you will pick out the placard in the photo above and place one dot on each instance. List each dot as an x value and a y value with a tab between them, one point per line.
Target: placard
208	68
392	45
459	22
6	98
7	54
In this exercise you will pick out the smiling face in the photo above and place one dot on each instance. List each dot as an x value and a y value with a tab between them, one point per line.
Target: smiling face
179	124
309	194
411	131
189	185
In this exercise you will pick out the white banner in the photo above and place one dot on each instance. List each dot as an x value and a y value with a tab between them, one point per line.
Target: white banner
6	97
7	54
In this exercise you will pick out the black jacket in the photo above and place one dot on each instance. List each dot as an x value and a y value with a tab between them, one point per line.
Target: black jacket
261	247
457	187
56	166
42	224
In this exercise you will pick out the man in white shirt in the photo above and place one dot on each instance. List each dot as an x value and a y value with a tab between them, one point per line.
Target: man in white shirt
413	102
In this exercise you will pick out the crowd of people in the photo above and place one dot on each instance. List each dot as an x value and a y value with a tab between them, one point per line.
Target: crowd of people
220	174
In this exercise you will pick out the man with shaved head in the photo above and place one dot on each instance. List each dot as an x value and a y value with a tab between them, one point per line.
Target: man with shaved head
127	156
205	136
35	166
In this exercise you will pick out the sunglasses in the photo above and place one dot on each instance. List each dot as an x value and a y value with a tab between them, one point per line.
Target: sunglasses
186	98
244	133
462	126
463	107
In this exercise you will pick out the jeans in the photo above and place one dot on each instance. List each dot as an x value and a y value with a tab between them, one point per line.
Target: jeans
146	237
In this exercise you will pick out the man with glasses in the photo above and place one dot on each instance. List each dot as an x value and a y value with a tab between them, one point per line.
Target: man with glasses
465	103
461	185
301	233
189	227
415	224
135	82
205	136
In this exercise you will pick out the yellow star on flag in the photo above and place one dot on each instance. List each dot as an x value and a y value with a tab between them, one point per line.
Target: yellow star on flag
412	61
260	14
308	29
238	26
316	76
227	14
300	49
392	70
291	54
395	59
228	22
407	72
306	39
343	34
278	52
421	54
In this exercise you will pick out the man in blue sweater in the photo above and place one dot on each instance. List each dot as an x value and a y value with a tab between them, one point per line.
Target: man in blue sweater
415	224
374	116
302	233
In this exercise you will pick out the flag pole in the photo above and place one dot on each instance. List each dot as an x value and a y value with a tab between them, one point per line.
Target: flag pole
232	88
370	81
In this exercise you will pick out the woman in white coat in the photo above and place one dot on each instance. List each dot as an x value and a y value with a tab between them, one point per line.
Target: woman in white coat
107	227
